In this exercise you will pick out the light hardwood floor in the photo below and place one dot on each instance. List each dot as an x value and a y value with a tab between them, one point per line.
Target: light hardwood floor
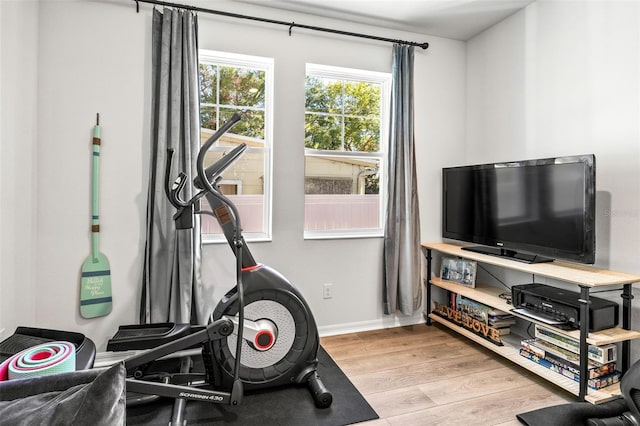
428	375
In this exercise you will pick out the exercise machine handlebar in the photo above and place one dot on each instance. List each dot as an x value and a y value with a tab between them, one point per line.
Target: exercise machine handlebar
213	171
206	177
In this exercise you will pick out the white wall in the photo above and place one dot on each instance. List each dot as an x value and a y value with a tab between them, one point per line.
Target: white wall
84	57
563	78
18	132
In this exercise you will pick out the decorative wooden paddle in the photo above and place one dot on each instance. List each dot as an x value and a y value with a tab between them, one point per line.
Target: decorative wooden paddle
95	285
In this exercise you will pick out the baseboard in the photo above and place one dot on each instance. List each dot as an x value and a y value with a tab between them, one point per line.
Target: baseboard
378	324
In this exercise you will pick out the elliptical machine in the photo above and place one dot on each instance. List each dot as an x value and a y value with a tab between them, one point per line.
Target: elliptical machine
261	334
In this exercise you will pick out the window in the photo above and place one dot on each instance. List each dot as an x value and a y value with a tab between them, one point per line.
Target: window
232	83
346	128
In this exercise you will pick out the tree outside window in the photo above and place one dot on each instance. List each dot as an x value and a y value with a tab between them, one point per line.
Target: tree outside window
231	83
345	160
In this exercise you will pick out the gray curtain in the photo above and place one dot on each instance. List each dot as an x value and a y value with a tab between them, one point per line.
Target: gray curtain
402	261
171	274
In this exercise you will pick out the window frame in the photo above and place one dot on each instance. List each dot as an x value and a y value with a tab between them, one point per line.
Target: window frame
352	74
267	65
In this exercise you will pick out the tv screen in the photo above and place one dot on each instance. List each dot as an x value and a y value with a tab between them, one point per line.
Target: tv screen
532	210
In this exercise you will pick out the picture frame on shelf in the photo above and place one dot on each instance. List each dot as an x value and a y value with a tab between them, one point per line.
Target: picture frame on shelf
460	271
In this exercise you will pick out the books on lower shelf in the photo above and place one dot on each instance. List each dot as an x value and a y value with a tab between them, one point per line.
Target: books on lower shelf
595	383
560	353
565	360
601	354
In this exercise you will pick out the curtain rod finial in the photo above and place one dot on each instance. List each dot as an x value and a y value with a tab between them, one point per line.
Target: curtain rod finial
425	46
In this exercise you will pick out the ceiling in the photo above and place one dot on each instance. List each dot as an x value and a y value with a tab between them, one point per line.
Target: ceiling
457	19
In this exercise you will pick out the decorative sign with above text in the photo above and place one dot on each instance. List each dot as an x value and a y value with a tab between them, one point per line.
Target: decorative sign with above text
470	323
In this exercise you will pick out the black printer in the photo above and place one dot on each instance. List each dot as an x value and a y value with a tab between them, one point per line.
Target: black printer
561	308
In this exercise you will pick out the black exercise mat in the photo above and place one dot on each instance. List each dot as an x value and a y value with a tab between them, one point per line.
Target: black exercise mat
290	405
572	414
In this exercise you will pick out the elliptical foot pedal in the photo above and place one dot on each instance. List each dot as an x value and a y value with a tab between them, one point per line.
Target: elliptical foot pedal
146	336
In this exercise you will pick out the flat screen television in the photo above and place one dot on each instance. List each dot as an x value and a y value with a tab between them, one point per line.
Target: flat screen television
532	211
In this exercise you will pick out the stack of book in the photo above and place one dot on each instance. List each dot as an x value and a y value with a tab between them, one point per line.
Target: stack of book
560	353
502	321
495	318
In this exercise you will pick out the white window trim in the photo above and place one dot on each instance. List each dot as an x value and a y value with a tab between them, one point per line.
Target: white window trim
267	64
384	79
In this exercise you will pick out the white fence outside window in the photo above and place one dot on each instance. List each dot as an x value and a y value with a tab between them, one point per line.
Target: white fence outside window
322	211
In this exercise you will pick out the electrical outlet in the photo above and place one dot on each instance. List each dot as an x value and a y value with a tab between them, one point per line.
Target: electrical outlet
327	291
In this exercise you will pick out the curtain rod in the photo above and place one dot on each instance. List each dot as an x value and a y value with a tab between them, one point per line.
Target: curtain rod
273	21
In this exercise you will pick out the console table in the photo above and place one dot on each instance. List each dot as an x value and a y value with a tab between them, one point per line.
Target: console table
583	276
